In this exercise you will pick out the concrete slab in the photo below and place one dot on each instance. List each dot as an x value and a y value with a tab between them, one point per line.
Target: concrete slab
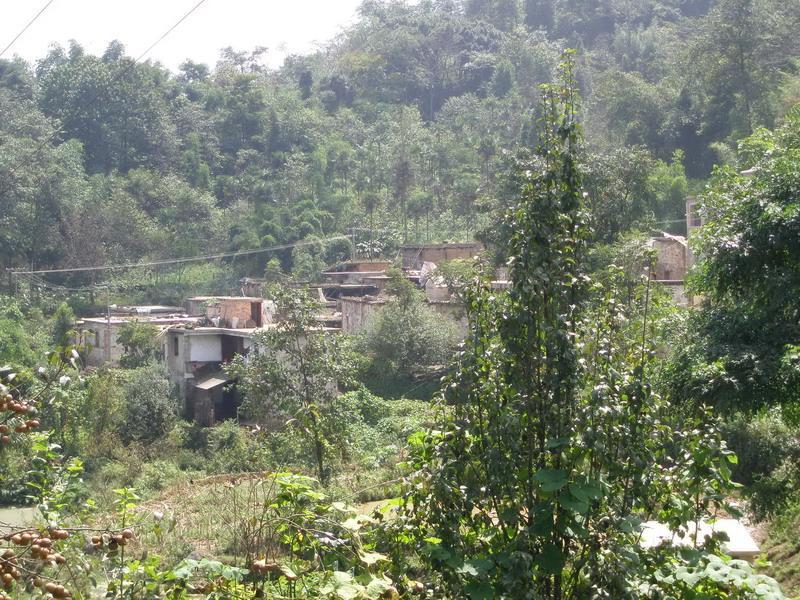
740	543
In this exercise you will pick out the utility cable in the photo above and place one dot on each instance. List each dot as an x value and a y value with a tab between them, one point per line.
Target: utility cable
172	261
24	29
168	31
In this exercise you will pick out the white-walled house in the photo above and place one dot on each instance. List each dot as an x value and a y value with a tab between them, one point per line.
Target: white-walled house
195	358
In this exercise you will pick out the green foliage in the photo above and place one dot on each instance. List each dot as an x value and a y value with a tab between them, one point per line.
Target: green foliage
695	575
781	547
15	339
373	430
769	455
63	325
294	371
308	262
139	342
150	409
401	129
739	352
402	132
407	336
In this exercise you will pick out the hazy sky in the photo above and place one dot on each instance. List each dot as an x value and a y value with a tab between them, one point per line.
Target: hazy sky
284	26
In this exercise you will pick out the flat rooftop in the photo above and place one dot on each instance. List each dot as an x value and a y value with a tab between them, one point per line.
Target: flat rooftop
250	298
143	318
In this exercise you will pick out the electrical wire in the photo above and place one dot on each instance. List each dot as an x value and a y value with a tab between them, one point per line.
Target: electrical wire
39	282
24	29
168	31
172	261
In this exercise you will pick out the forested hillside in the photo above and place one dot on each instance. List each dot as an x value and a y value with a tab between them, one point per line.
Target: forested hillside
399	129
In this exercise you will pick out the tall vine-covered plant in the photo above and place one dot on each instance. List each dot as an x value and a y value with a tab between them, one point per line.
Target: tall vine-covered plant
554	448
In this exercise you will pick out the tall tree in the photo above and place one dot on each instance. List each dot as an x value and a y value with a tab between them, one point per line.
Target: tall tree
532	487
294	372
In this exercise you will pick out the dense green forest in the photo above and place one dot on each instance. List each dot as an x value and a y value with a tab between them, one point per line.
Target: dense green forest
409	460
400	129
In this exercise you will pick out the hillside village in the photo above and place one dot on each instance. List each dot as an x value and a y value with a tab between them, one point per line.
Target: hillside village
197	340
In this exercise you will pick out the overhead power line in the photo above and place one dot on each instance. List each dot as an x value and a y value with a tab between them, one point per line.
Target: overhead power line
24	29
25	162
173	261
168	31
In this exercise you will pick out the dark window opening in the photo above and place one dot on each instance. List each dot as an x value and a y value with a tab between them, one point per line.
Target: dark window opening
231	346
255	313
175	346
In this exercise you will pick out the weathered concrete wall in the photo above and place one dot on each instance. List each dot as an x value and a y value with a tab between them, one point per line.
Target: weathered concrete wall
232	311
378	281
365	266
415	255
356	312
349	277
175	348
436	290
205	348
454	311
671	258
98	336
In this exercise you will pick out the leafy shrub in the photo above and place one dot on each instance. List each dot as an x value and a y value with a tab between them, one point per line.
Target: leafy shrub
139	342
231	449
409	337
761	442
769	460
699	575
114	473
189	435
63	325
150	409
14	475
373	429
159	475
15	340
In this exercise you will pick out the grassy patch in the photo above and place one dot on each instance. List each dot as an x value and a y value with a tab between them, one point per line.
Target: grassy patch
783	551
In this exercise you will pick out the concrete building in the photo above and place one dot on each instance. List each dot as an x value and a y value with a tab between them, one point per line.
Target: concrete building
673	260
357	311
195	358
234	312
672	257
355	272
99	336
693	217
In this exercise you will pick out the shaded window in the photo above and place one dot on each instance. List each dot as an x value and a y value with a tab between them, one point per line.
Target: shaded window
175	346
97	339
255	313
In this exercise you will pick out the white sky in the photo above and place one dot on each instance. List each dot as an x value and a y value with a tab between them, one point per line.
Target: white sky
283	26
